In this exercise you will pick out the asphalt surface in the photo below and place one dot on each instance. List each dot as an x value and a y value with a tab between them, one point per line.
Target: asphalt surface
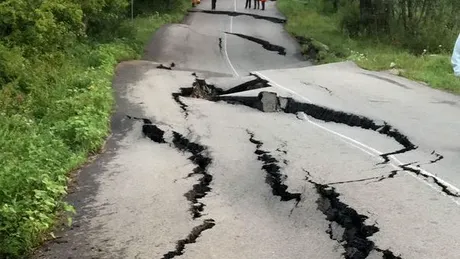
210	175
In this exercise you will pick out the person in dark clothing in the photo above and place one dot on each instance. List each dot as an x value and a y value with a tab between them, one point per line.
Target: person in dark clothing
263	4
256	4
213	2
248	4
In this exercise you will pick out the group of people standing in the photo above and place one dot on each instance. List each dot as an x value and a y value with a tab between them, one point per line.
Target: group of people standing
248	4
256	4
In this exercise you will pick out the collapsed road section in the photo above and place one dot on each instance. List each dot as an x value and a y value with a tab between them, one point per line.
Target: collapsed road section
346	225
271	102
201	89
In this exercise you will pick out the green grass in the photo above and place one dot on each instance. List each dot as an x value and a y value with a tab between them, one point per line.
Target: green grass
304	20
52	129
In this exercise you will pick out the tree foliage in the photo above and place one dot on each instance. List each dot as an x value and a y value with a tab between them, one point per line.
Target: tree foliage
56	64
419	25
42	26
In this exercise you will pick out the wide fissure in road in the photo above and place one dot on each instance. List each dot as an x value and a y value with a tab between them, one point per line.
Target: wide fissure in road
227	143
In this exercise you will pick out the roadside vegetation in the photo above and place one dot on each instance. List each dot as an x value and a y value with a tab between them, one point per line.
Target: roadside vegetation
412	38
57	60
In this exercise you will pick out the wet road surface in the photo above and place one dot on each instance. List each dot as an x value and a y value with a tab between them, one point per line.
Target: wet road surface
245	150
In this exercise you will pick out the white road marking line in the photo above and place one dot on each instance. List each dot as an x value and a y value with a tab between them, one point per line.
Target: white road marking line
282	87
375	151
356	146
225	43
226	52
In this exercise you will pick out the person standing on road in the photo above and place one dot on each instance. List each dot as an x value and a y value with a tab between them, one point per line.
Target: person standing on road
213	2
256	4
263	4
248	4
455	60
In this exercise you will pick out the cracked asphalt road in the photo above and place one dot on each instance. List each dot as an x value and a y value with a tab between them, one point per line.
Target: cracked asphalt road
343	163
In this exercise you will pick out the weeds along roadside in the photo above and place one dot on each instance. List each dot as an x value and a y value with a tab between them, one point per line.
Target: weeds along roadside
54	112
322	38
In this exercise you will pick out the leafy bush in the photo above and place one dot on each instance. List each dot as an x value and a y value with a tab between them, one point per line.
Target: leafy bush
350	19
43	26
103	16
416	25
310	22
56	64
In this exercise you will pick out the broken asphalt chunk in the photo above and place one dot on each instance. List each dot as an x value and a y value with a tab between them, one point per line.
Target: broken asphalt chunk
268	102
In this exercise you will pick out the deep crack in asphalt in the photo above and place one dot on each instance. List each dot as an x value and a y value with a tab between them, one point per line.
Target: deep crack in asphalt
356	233
265	44
324	114
191	238
201	89
161	66
150	130
328	115
182	105
274	178
444	188
232	13
391	175
289	105
386	156
349	224
438	158
201	159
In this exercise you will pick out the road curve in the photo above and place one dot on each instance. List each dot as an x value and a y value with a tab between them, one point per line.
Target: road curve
245	150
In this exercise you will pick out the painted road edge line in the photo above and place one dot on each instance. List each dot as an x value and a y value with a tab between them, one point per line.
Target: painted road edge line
377	152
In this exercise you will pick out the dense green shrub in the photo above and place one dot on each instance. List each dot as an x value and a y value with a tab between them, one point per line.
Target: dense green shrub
61	119
103	16
43	26
56	63
322	34
349	18
416	25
